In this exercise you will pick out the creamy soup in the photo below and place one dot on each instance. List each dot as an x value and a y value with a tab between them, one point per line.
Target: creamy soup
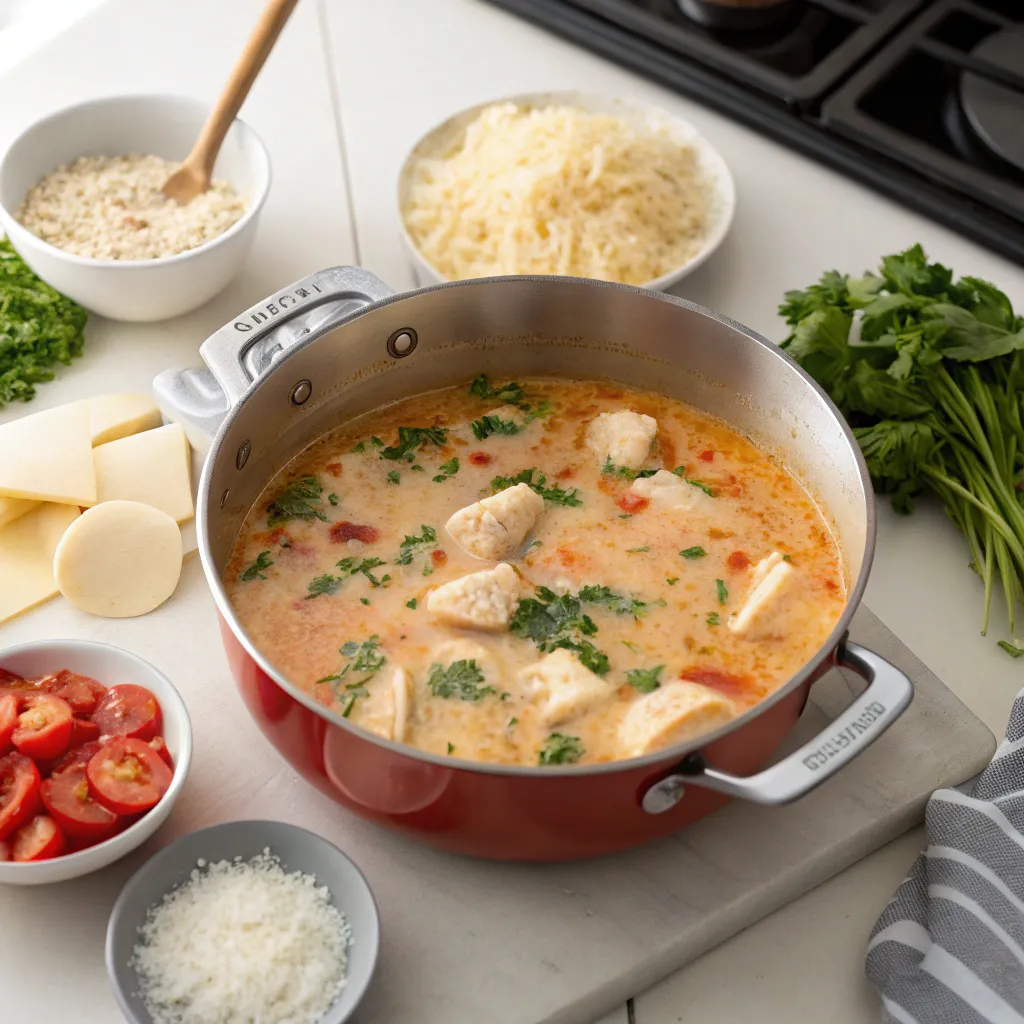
543	572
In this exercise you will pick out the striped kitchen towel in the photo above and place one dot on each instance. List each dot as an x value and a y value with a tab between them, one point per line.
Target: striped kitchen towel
949	947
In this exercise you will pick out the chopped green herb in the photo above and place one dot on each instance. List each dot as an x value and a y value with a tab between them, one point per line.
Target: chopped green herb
325	584
410	546
533	544
411	438
632	646
513	721
460	679
301	499
487	425
509	394
722	591
555	621
607	598
358	449
394	477
624	472
447	469
363	659
671	580
38	327
1013	652
451	749
633	551
713	619
504	696
560	749
586	653
556	495
411	603
353	565
351	692
332	498
644	679
364	600
428	569
416	467
680	471
254	570
695	552
787	558
625	515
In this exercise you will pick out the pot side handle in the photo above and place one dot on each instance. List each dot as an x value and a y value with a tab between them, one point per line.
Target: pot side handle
244	349
888	693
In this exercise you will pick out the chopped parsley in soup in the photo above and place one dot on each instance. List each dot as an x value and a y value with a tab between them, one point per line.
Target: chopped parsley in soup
537	573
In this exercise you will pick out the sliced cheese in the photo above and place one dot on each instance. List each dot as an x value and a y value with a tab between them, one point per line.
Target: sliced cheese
12	508
151	467
48	456
118	415
26	557
119	559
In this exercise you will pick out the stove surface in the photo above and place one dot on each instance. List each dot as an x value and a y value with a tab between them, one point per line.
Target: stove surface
922	100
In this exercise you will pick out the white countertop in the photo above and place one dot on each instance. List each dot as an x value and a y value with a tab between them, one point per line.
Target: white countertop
388	71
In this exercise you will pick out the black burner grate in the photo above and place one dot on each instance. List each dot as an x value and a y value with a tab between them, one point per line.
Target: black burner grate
871	88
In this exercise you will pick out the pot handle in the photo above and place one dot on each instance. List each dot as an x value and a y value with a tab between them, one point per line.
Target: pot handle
244	349
888	693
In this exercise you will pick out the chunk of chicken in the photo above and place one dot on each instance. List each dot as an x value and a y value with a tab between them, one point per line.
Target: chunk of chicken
673	713
464	649
386	710
771	583
622	438
563	688
495	527
671	491
482	600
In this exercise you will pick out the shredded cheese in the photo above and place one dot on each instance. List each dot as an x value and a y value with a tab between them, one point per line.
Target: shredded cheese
242	942
558	190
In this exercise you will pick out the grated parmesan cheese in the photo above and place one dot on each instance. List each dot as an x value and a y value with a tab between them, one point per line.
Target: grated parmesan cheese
558	191
242	942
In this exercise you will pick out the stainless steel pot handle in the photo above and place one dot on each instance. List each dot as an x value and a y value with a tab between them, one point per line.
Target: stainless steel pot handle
886	697
243	350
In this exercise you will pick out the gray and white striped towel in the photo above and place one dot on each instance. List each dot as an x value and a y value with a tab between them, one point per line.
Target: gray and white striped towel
949	947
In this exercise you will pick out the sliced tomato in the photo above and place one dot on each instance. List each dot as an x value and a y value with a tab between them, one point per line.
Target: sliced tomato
15	686
44	727
8	721
128	776
40	839
75	757
157	743
67	797
83	693
83	731
5	852
128	710
19	792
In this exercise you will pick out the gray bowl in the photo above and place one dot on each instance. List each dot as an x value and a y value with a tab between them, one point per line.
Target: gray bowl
298	850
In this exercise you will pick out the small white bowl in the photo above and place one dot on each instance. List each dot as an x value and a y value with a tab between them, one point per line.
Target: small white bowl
109	666
164	126
642	116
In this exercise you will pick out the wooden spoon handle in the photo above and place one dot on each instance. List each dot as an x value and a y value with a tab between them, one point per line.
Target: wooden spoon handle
257	48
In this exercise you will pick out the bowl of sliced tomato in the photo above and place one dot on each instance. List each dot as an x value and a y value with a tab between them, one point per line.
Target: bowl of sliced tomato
95	745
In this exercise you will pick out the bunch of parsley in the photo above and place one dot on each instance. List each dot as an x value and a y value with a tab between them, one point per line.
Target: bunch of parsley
38	327
929	371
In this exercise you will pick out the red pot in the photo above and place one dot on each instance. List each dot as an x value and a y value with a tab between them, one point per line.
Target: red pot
339	343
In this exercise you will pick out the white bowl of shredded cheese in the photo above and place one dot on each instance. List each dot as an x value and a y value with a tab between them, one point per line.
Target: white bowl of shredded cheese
564	183
244	921
79	199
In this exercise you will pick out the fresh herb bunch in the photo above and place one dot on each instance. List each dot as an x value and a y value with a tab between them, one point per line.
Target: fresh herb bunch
929	372
38	327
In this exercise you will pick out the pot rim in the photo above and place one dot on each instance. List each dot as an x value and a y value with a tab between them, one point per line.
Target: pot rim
650	761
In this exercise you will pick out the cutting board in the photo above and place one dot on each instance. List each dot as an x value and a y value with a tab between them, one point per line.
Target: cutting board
469	942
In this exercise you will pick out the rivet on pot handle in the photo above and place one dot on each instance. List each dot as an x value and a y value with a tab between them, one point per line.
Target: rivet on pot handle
887	696
247	347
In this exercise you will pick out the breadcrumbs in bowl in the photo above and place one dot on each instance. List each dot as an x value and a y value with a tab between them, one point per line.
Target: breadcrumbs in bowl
112	208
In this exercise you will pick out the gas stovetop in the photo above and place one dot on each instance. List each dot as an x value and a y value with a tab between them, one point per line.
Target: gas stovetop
922	100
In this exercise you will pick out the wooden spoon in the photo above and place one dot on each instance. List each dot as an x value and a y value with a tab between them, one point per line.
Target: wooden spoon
193	177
